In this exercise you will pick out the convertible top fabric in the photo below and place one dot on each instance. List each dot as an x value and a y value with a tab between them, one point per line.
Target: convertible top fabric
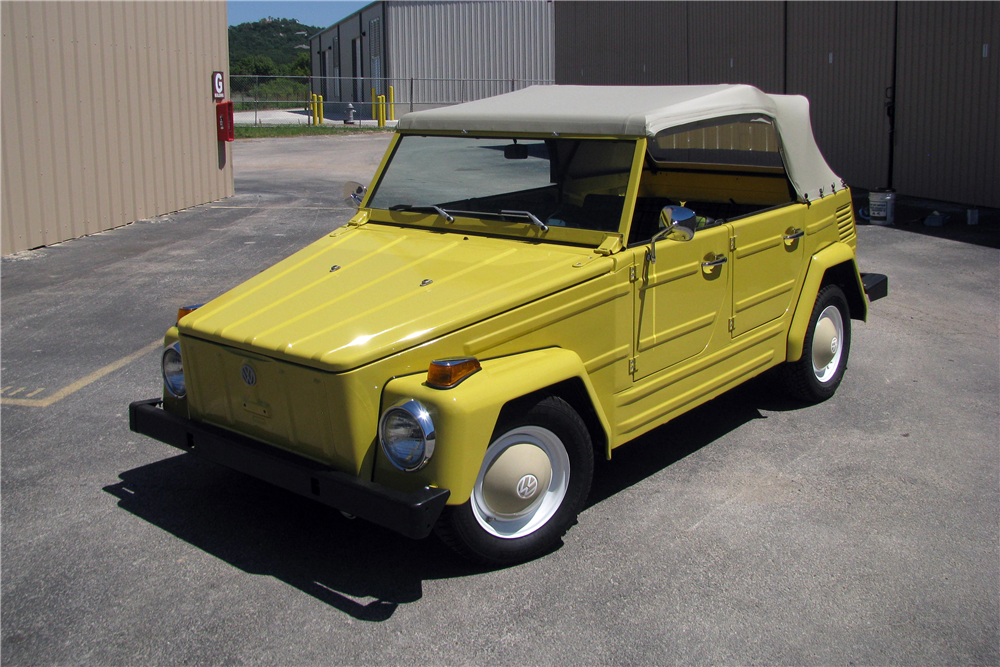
641	111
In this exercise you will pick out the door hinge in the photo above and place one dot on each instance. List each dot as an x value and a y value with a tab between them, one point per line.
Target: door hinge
732	323
631	274
732	243
631	366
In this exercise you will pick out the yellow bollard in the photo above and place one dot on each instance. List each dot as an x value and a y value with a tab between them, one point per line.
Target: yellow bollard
381	110
392	104
312	109
319	107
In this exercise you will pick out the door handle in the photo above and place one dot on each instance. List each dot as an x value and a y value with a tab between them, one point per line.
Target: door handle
794	234
718	261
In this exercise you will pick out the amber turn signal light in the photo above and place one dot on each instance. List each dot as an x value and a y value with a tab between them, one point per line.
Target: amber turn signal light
446	373
184	310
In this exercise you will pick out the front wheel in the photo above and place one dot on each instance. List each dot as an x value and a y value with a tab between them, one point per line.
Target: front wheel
532	484
816	376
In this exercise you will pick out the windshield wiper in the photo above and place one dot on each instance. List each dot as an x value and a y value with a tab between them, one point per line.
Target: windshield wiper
447	214
529	215
437	209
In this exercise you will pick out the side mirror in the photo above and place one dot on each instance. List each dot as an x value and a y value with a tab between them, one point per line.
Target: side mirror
680	228
354	192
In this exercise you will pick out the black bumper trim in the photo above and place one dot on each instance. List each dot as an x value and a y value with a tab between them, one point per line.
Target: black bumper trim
876	285
412	514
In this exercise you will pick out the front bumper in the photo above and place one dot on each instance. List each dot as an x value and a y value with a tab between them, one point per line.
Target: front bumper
412	514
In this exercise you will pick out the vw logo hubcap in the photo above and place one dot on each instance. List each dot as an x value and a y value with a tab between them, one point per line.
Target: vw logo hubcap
527	486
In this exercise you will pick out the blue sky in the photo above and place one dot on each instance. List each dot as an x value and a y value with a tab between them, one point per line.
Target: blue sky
321	13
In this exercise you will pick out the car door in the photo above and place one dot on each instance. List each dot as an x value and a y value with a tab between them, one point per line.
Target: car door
679	299
767	260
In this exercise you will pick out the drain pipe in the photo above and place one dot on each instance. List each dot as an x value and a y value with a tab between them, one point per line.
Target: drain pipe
890	93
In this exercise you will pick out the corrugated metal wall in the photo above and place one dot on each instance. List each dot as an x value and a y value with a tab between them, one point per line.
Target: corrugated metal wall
467	42
737	42
838	54
840	57
947	118
669	43
622	43
107	115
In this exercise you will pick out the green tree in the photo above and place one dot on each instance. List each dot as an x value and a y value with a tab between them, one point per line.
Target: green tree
254	64
302	65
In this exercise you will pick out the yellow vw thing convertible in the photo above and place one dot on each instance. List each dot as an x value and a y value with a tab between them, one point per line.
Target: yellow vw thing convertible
530	281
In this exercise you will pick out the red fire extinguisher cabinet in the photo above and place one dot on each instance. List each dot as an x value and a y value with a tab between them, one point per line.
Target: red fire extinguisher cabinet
224	121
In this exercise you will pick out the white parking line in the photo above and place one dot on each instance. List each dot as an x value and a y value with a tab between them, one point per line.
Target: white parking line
79	384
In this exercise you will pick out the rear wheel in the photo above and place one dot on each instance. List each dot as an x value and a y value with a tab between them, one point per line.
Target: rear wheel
816	376
531	486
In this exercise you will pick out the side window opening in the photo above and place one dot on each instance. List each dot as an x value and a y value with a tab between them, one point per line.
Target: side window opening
721	169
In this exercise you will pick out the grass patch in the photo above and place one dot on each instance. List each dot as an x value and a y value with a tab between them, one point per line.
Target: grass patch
249	132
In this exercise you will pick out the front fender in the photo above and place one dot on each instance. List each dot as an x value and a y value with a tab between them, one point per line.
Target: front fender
836	255
464	416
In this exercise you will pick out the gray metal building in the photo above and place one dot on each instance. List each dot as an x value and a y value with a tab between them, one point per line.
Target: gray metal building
936	62
433	52
108	115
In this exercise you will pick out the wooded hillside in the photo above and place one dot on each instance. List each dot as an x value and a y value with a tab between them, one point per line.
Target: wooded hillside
270	46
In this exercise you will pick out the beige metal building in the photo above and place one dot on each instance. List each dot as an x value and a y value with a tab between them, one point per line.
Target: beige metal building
937	62
107	115
433	52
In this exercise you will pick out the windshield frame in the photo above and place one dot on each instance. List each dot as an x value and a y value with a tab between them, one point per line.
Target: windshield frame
513	226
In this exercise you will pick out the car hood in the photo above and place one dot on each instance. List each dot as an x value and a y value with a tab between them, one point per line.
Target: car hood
364	293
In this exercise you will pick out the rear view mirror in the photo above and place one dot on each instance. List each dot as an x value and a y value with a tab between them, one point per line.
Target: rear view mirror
354	193
676	223
515	152
678	230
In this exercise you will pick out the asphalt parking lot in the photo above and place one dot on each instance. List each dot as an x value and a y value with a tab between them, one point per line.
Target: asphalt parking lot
865	530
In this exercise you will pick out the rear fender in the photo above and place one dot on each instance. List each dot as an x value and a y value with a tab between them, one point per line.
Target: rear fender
465	416
835	265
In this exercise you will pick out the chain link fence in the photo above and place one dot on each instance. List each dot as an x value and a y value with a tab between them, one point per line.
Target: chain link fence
285	100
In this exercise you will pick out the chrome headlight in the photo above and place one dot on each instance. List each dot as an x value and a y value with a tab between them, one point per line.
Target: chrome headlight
406	433
173	371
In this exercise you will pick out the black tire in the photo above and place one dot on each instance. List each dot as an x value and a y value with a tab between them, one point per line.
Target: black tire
480	534
802	378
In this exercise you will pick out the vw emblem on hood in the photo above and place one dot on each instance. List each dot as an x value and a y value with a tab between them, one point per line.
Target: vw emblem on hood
248	375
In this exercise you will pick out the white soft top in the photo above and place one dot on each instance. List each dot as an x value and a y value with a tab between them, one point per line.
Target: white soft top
641	111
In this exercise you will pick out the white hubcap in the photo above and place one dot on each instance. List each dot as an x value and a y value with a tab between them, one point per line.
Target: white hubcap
509	502
826	344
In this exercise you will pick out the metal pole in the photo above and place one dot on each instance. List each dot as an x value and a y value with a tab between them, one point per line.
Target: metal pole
411	93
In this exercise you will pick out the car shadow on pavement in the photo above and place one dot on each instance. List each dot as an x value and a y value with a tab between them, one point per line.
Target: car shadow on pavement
354	566
357	567
663	446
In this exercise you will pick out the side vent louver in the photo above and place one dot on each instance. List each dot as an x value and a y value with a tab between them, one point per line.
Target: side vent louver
845	223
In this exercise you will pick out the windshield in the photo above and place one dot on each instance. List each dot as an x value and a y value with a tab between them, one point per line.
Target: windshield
545	182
